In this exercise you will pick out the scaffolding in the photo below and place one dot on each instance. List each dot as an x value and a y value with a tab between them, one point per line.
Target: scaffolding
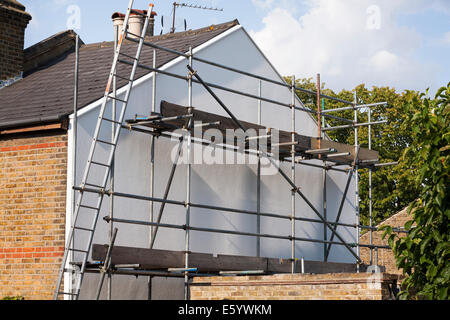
172	117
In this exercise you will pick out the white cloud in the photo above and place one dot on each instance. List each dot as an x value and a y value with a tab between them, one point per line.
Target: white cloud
262	3
384	60
61	2
446	38
348	42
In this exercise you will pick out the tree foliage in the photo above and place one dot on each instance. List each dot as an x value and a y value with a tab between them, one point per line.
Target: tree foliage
392	186
417	136
424	254
13	298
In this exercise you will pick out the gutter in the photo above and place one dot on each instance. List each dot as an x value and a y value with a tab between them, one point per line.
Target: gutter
34	121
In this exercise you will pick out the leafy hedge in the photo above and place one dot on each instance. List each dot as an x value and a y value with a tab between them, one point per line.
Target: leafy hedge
424	254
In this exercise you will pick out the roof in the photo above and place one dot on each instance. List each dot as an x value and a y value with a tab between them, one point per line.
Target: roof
46	94
48	50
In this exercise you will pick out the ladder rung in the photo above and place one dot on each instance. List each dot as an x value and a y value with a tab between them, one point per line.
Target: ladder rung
123	101
113	121
120	77
100	164
93	185
77	250
84	229
128	56
68	293
134	35
106	142
88	207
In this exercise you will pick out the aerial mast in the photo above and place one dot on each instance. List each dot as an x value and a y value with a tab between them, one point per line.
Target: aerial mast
187	5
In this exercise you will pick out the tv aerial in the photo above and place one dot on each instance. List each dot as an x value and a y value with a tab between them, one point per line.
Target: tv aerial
187	5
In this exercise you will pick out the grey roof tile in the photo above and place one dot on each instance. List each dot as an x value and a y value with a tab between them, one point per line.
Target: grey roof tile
48	92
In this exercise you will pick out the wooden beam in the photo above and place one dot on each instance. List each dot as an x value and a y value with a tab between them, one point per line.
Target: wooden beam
155	259
45	127
304	143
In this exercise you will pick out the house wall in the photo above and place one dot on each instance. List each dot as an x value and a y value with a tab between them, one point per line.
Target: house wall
221	185
32	213
342	286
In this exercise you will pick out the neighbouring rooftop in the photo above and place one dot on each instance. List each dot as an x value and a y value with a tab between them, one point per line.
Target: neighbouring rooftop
45	93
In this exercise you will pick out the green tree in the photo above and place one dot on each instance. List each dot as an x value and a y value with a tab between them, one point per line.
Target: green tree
424	254
392	186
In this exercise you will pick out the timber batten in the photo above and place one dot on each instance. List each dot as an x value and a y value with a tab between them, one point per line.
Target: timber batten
156	259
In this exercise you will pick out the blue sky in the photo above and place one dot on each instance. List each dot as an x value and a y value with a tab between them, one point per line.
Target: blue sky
399	43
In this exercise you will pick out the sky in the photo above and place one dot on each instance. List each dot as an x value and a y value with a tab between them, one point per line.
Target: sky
403	44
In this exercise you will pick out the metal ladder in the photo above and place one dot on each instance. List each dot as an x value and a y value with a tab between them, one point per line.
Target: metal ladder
95	165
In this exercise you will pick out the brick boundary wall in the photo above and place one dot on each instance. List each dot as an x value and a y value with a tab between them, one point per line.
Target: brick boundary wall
32	213
385	256
331	286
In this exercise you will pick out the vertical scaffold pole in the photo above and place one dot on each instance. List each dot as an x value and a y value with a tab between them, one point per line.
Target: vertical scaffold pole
258	182
75	130
188	185
152	169
113	133
293	192
370	189
324	195
356	184
319	111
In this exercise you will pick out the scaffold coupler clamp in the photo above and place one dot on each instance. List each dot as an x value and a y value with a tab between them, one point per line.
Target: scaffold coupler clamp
191	74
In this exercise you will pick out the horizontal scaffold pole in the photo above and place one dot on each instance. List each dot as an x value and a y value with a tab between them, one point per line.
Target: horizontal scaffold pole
214	230
205	206
355	125
361	106
240	233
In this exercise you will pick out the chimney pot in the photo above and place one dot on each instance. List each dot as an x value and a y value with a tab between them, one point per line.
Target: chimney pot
118	19
135	23
13	20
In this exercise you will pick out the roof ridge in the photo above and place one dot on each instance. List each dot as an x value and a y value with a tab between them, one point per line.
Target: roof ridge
176	35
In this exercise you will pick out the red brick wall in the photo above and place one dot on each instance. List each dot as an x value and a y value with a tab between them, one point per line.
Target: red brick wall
32	213
331	286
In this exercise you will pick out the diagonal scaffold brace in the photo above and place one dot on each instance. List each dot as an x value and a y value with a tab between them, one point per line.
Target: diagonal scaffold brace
107	264
344	195
264	154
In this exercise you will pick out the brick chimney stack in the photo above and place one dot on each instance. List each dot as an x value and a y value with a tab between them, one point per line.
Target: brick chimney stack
13	22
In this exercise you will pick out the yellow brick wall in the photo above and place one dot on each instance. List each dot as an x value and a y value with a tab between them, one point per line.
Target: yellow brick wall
32	213
336	286
385	256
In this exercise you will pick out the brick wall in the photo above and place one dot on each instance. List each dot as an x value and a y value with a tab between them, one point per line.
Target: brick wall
32	213
13	21
385	256
332	286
